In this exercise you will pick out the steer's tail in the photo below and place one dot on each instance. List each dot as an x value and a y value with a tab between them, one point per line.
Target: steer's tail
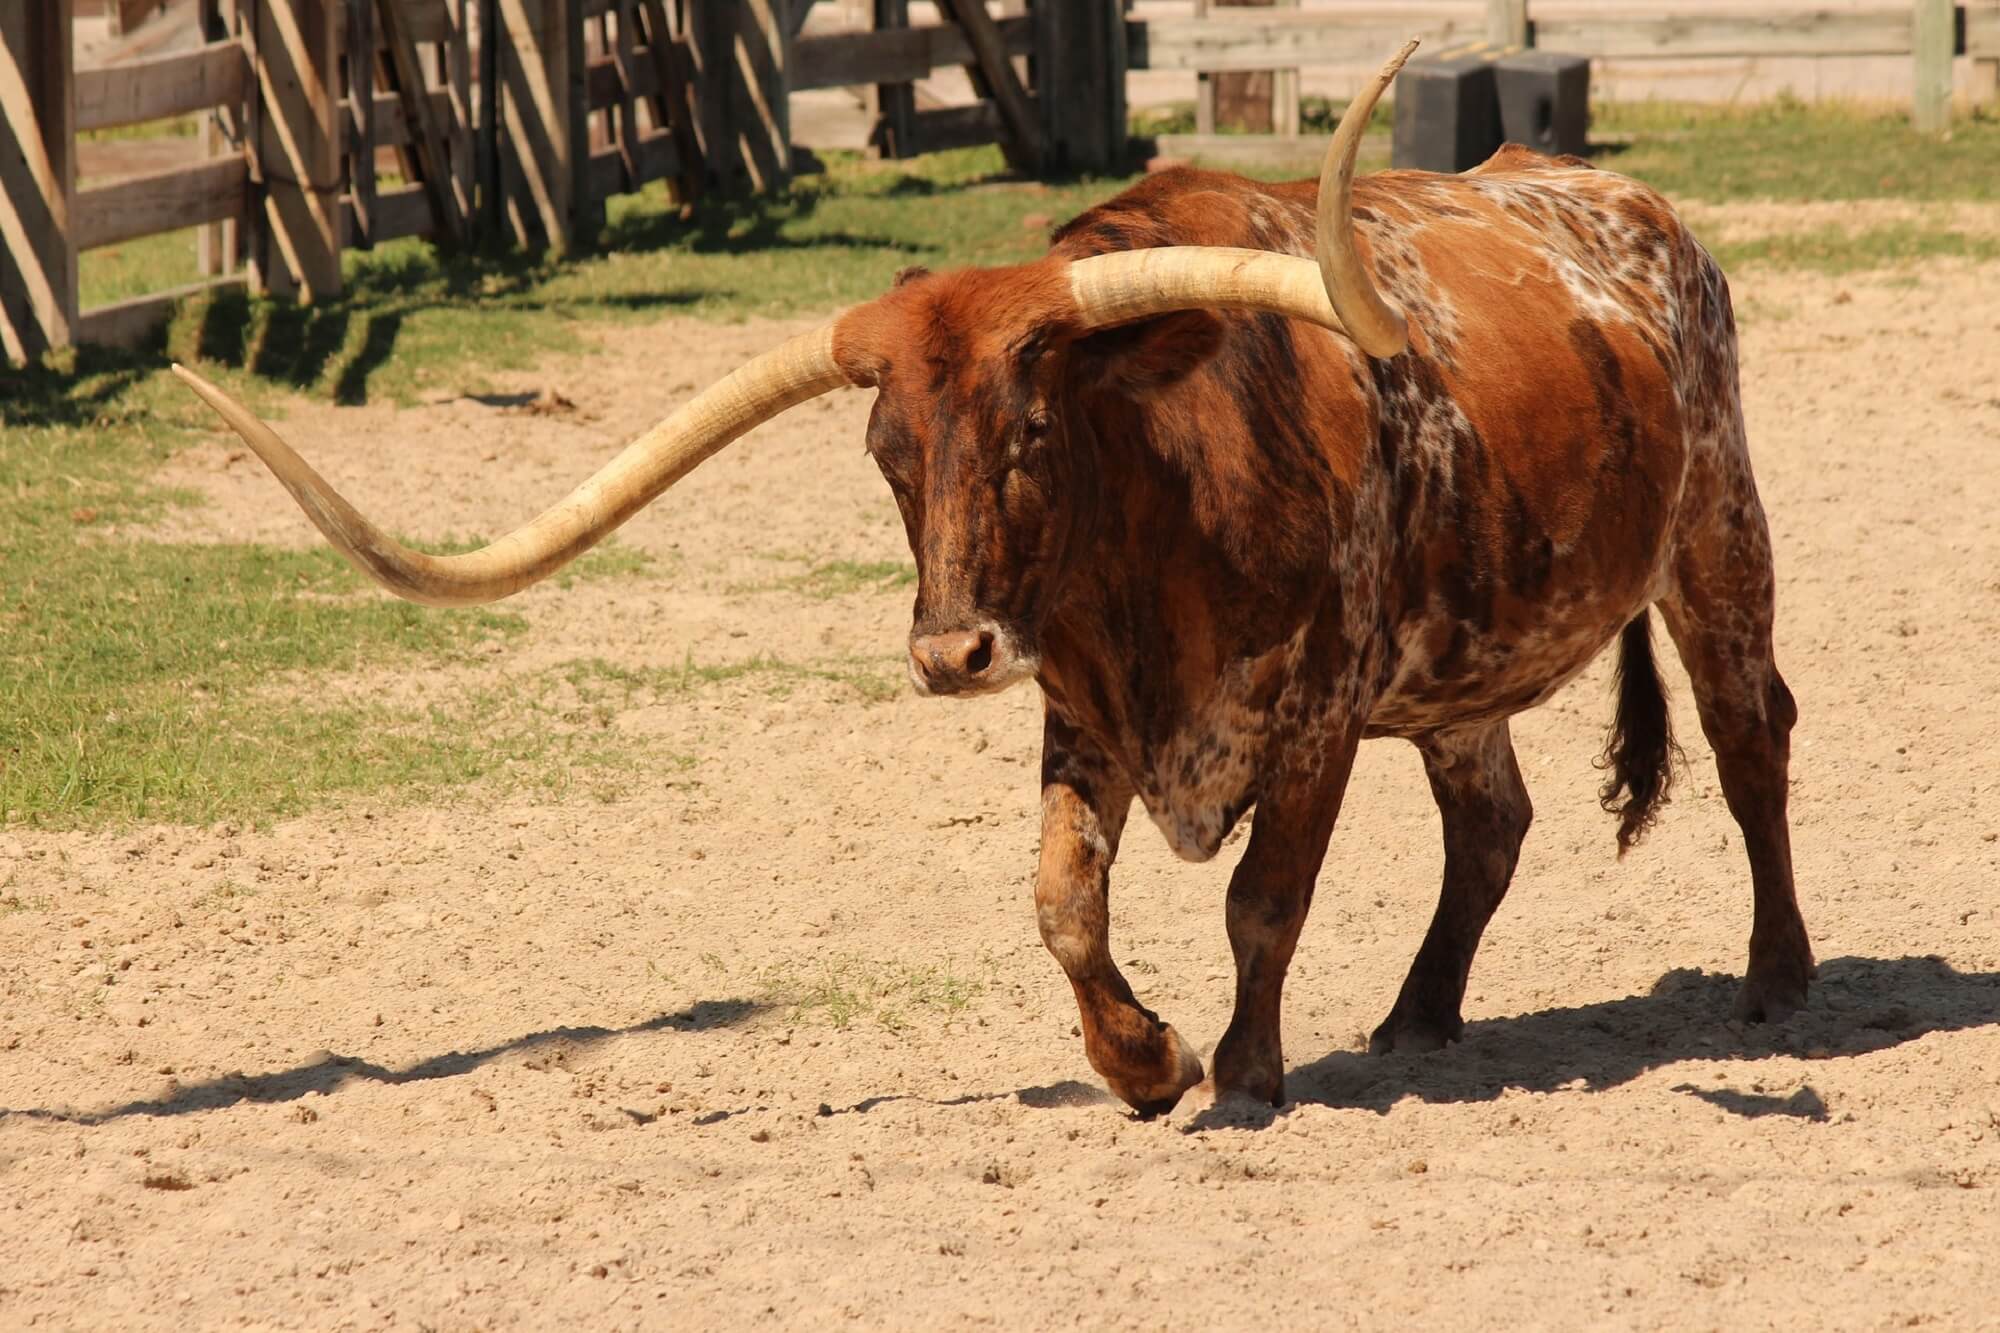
1640	751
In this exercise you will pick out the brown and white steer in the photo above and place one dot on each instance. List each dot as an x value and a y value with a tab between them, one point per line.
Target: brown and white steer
1233	519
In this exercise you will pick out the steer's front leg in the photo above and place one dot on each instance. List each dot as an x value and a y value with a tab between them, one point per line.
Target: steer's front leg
1084	803
1268	898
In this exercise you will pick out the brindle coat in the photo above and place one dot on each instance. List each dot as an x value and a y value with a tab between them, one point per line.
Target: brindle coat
1231	546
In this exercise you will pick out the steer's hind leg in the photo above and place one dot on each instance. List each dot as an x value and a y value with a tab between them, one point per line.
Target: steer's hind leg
1719	614
1486	813
1084	803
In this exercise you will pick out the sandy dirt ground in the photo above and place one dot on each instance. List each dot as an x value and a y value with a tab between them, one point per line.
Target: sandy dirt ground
770	1039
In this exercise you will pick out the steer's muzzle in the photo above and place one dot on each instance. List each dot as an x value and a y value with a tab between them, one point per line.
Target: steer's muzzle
967	661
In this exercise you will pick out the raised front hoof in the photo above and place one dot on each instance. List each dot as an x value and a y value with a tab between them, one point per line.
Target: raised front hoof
1771	999
1409	1034
1158	1090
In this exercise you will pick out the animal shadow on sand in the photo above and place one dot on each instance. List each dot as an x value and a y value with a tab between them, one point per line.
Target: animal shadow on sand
552	1046
1856	1006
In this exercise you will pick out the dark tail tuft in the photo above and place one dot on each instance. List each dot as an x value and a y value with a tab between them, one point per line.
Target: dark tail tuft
1640	751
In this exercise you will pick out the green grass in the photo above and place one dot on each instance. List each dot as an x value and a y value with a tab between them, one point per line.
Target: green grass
138	673
1788	150
827	579
845	990
872	680
1837	250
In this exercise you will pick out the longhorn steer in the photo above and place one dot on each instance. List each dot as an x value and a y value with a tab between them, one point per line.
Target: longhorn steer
1233	519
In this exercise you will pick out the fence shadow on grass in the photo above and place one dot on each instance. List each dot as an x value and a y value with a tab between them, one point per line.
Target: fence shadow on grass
72	391
331	1072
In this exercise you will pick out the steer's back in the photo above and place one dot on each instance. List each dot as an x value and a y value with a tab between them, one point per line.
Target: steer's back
1566	335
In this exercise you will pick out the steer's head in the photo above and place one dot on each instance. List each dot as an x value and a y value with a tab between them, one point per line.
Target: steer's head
972	429
978	377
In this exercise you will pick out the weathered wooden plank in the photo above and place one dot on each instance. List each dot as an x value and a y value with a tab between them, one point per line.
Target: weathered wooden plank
425	20
457	119
891	103
486	131
392	125
739	52
995	71
298	146
605	84
1204	87
625	60
894	55
673	103
130	323
158	201
960	126
1285	92
1079	74
38	293
1268	152
366	121
427	136
1507	23
1933	37
124	15
1733	33
155	87
655	157
1982	32
399	212
1246	100
218	246
760	92
1242	39
540	52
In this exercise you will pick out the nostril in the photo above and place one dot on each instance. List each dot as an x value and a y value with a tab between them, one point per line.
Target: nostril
981	655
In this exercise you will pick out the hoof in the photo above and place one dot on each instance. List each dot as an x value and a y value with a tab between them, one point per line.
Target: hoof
1404	1035
1180	1069
1770	1000
1256	1076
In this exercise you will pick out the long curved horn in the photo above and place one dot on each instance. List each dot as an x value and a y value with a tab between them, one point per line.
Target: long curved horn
1378	327
1133	284
750	395
1107	289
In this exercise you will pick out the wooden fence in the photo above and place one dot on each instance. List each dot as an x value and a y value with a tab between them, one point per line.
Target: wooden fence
507	119
1215	38
516	119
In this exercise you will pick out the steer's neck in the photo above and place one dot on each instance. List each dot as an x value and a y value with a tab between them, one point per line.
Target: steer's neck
1210	546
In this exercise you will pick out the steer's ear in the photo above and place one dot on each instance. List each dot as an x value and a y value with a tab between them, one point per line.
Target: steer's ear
1146	357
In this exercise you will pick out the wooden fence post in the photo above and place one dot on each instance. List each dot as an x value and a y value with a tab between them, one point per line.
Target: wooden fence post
486	136
429	146
1935	29
361	97
458	86
892	107
1507	23
739	49
298	148
544	159
1079	69
38	301
219	246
